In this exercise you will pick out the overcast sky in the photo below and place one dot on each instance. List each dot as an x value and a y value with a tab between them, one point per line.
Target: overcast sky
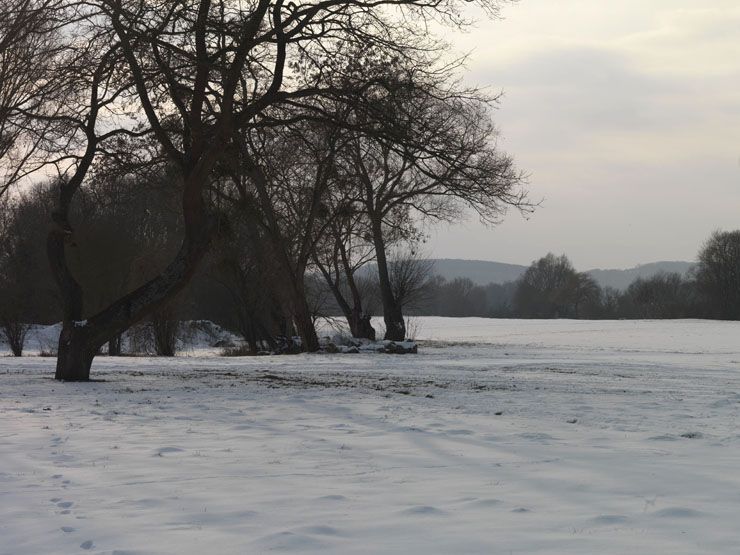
626	115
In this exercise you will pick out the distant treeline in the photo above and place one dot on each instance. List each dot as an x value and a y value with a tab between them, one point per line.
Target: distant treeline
552	288
241	287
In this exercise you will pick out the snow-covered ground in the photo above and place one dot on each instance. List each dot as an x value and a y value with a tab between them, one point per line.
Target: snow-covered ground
500	436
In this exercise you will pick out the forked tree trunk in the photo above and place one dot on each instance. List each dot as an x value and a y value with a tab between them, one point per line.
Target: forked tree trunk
80	339
359	322
360	326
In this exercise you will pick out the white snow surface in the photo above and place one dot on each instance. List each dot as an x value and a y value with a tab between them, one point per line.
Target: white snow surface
500	436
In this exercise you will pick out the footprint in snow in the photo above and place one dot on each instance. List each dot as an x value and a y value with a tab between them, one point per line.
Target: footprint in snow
87	544
663	437
536	436
608	520
332	498
162	451
65	504
678	512
423	510
484	503
319	530
67	529
289	541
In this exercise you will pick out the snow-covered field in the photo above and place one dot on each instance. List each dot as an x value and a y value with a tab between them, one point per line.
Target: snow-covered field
501	436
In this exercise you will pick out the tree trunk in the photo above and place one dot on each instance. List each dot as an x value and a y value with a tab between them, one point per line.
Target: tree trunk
76	353
395	327
81	339
304	321
359	323
75	350
360	326
114	346
251	338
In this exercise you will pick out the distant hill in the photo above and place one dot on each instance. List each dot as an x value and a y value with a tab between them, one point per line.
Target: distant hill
481	272
484	272
621	279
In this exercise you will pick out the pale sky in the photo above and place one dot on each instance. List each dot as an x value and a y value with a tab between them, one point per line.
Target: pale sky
626	116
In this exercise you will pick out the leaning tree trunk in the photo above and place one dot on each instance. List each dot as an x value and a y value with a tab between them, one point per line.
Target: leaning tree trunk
359	323
304	320
80	338
395	327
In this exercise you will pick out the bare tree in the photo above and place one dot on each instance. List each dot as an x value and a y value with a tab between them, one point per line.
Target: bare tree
19	287
664	295
437	157
457	297
29	44
585	292
551	288
409	274
718	274
545	289
165	326
14	288
288	175
183	79
244	268
339	256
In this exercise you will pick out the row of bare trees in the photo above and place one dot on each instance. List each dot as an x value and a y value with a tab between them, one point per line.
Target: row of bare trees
295	127
552	288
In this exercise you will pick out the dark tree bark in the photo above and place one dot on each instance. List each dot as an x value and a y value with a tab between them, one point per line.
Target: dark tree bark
395	327
304	320
114	346
360	325
165	328
75	354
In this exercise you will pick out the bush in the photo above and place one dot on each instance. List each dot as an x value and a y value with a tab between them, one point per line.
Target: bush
237	351
15	334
